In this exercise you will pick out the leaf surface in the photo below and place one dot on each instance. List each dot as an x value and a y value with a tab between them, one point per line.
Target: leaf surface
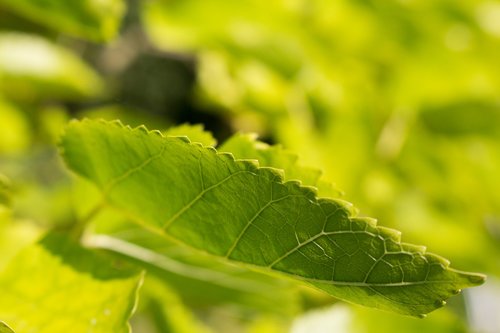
245	213
56	286
4	328
198	279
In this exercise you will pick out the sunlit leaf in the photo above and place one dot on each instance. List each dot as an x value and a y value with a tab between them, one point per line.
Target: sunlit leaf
245	146
248	214
96	20
194	132
55	286
31	67
198	279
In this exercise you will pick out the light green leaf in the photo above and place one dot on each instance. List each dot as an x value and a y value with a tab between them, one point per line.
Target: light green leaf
32	67
55	286
195	133
198	279
246	146
4	328
245	213
15	235
96	20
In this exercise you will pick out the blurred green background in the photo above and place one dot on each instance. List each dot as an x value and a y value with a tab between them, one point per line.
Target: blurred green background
397	101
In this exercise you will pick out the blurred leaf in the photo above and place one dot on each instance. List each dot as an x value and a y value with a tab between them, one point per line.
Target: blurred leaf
440	193
52	120
195	133
15	133
4	191
32	68
246	146
95	20
14	236
442	321
41	186
167	310
325	245
119	111
56	286
351	319
463	118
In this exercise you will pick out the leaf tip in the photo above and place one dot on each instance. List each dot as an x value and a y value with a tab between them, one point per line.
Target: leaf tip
477	278
468	279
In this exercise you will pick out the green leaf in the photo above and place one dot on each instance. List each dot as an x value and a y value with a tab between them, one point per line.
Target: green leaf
32	67
199	280
195	133
95	20
246	146
56	286
248	214
4	328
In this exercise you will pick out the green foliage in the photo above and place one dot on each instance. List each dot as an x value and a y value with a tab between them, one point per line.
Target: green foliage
97	20
33	68
402	113
248	147
195	133
56	286
245	213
